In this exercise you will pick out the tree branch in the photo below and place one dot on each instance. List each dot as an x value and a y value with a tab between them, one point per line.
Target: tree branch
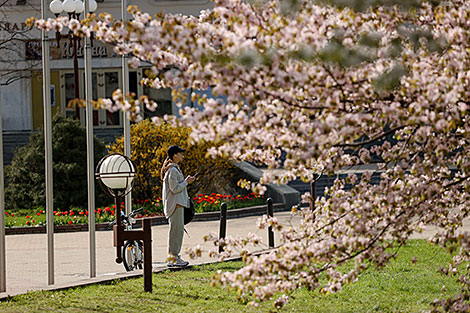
362	143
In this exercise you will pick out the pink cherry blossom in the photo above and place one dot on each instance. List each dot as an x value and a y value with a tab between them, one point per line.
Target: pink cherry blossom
321	90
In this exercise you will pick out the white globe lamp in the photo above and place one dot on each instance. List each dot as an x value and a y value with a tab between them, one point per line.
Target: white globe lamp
56	7
69	6
79	7
92	5
116	172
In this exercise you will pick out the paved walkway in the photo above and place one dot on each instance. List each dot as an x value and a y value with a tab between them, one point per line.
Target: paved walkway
26	255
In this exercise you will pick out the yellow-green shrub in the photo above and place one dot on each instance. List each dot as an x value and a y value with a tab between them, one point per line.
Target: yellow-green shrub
149	143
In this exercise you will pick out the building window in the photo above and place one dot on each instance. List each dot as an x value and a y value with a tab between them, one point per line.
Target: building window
104	83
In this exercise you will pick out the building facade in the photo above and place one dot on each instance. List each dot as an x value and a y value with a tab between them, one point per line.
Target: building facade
21	68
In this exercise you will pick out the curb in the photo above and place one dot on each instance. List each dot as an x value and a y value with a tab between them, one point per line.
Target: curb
157	220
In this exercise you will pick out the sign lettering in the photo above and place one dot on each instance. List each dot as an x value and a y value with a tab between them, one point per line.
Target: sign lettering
65	50
11	27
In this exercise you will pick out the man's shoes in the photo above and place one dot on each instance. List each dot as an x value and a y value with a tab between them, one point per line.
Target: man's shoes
177	262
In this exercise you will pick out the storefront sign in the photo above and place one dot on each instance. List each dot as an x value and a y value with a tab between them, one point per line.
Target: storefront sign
13	27
65	51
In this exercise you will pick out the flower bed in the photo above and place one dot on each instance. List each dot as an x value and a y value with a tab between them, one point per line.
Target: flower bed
203	203
156	220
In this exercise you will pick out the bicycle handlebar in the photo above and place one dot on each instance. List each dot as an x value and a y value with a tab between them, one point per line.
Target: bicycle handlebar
134	213
125	218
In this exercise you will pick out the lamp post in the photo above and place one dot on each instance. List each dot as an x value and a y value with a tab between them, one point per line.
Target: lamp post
73	8
125	91
116	174
3	286
46	94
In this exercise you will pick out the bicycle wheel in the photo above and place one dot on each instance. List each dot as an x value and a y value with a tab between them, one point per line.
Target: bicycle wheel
132	256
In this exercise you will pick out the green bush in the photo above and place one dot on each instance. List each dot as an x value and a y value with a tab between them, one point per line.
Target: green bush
149	143
25	177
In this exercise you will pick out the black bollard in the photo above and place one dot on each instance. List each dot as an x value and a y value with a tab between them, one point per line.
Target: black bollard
270	229
223	224
312	194
147	239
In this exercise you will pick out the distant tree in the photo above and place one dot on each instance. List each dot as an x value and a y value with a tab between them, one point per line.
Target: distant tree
25	176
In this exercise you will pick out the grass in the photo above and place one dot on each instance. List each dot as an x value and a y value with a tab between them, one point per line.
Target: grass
401	287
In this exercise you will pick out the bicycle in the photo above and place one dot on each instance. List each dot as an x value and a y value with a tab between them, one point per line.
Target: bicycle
132	251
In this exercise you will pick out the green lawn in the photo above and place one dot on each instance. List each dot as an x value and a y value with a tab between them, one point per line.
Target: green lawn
401	287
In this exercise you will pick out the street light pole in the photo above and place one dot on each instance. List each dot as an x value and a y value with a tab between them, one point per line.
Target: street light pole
90	151
73	40
3	285
125	91
46	94
74	8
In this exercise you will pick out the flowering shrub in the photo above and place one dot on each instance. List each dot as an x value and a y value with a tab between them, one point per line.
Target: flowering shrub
149	145
210	203
73	216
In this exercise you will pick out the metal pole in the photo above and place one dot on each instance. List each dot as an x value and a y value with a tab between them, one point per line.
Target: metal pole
3	285
270	229
90	151
126	122
223	224
118	229
73	40
147	239
46	94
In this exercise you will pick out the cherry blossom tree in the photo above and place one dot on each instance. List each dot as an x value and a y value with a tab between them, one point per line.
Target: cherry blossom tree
326	86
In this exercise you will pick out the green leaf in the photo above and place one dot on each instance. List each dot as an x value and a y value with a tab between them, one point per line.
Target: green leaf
335	52
390	79
371	40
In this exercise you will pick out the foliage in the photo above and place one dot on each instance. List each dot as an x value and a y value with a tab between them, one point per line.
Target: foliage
149	143
327	87
25	176
403	287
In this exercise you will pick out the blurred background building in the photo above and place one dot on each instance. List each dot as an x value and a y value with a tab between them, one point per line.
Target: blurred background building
21	72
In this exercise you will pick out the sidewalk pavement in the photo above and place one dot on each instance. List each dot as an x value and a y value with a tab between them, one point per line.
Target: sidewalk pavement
26	255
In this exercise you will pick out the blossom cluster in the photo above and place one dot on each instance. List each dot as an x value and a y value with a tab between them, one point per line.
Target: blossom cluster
318	90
